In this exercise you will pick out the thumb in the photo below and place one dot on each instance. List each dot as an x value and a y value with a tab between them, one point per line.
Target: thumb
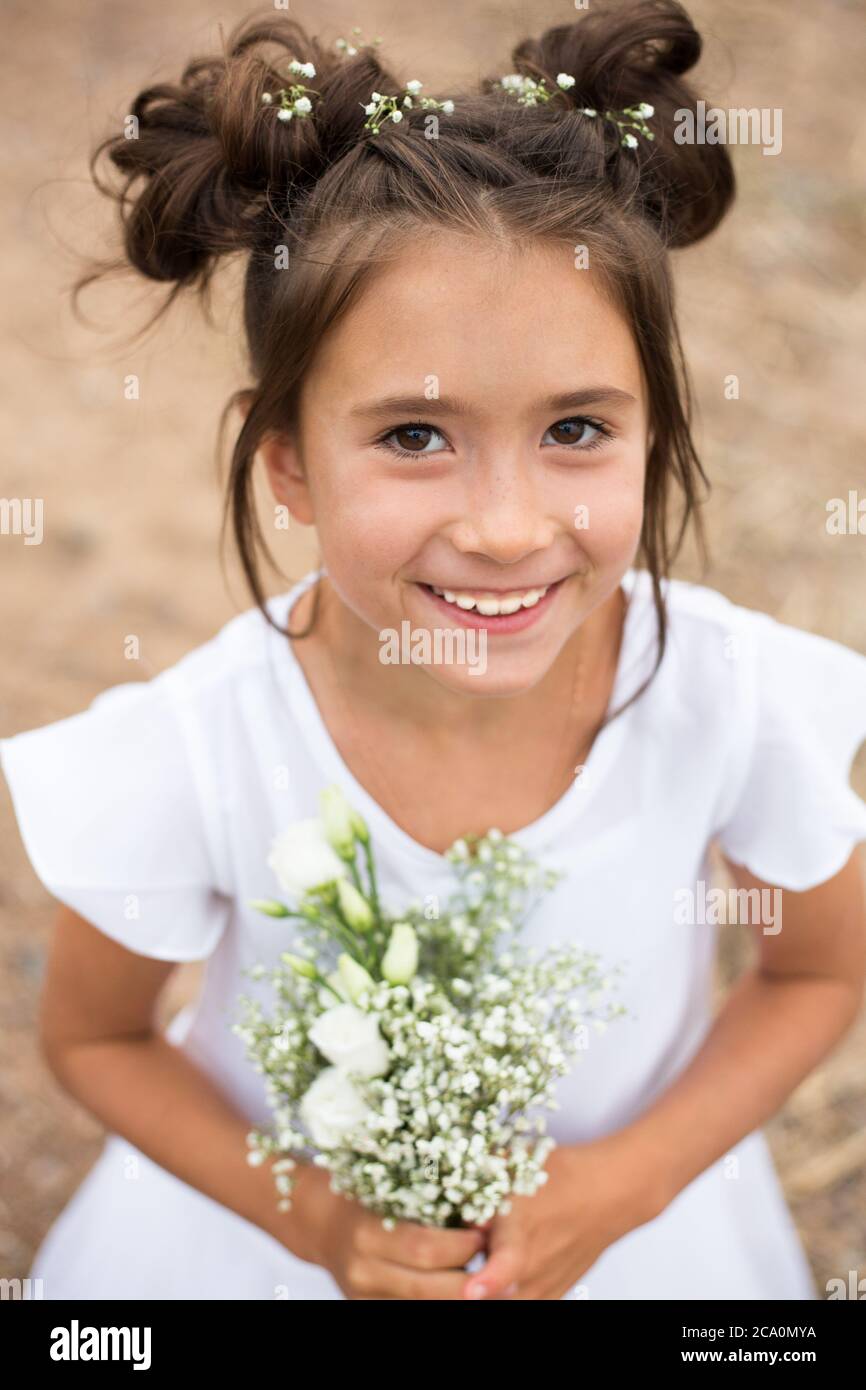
503	1265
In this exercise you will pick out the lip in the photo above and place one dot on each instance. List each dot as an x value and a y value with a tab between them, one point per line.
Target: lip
501	623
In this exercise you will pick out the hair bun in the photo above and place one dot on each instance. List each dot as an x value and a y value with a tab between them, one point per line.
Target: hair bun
624	55
207	170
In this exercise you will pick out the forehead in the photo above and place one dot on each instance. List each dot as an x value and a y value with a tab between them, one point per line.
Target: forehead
494	320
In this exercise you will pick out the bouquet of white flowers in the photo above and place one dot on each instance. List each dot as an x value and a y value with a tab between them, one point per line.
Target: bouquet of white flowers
406	1054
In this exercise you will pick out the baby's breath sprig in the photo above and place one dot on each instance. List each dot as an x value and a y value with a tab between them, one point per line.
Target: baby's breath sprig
348	49
388	108
294	100
528	92
635	119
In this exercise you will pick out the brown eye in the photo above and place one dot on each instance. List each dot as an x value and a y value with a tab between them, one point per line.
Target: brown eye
413	438
578	431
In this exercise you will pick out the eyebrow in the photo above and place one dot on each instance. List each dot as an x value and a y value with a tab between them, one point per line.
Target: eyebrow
453	405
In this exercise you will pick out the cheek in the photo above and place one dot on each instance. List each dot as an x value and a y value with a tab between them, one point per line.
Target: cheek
605	506
369	529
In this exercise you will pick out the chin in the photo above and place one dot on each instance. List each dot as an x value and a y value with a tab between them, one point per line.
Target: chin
499	676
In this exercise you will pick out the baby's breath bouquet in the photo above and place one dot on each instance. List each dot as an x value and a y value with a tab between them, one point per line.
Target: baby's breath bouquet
406	1054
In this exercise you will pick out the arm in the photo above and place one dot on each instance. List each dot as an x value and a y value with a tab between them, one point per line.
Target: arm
777	1023
99	1038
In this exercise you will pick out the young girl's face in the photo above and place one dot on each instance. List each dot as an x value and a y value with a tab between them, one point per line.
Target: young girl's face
476	425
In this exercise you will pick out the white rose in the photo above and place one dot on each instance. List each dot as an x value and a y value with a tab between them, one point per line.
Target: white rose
302	859
331	1107
351	1039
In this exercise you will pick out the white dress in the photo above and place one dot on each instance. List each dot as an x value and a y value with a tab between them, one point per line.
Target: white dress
151	814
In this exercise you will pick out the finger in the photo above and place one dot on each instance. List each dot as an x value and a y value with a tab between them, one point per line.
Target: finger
502	1268
384	1279
422	1247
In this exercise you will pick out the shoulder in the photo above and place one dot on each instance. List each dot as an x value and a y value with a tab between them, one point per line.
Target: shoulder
236	655
736	678
232	667
704	618
160	741
707	670
714	640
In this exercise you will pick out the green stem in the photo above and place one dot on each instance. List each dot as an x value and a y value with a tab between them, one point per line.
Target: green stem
371	874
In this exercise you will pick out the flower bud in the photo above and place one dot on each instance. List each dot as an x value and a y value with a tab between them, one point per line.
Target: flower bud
269	906
354	977
299	965
337	821
338	985
401	958
354	906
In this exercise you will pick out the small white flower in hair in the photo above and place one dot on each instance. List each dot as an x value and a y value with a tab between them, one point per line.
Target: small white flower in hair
294	100
528	92
382	108
348	50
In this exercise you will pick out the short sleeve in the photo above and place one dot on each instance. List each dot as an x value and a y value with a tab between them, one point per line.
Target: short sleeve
792	817
112	817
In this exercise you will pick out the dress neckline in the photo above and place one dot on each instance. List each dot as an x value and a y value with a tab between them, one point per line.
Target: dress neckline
634	661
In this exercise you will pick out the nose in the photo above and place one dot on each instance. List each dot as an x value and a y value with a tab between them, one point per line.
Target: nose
503	516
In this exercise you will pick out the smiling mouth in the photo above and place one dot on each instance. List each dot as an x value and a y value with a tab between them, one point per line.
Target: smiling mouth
506	611
488	604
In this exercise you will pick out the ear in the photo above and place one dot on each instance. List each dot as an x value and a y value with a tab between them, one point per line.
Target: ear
287	477
284	469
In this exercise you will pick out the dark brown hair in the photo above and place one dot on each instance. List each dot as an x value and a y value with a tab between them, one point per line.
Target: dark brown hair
212	172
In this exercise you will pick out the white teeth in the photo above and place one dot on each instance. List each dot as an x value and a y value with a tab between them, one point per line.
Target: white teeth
488	605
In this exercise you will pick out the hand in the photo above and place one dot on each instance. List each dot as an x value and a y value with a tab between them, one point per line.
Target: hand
595	1194
410	1262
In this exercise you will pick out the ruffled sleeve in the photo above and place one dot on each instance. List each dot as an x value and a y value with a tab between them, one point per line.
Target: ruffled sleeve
111	811
790	813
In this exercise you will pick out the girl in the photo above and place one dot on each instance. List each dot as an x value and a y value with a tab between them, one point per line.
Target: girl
467	378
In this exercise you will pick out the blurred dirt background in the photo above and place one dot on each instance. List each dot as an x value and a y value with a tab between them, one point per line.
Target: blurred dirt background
132	498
